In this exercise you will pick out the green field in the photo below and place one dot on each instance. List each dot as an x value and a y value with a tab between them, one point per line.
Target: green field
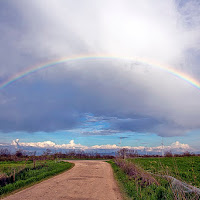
27	173
186	169
7	167
143	184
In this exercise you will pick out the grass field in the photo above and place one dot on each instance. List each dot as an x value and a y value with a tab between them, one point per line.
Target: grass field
27	173
137	183
186	169
7	167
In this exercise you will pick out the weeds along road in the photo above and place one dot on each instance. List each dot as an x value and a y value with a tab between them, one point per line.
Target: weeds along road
88	179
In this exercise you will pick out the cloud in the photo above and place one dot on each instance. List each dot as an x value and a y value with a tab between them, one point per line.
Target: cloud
177	144
175	147
47	144
161	30
128	96
99	132
129	100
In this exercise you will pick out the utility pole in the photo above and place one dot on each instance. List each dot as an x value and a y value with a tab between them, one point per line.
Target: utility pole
162	147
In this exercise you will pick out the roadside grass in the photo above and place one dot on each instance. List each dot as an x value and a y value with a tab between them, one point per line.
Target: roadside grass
135	188
186	169
30	175
7	167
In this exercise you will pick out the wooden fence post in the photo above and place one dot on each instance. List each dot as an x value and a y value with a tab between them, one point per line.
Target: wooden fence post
34	163
14	175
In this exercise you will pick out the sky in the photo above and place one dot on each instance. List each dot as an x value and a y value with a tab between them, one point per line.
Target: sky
101	100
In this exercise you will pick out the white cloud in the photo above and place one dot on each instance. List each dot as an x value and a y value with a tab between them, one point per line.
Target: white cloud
108	146
177	144
157	30
174	147
47	144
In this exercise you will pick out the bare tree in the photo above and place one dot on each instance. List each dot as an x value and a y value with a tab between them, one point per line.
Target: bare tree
122	153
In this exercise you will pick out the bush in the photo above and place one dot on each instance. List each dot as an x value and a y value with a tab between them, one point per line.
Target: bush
168	154
142	177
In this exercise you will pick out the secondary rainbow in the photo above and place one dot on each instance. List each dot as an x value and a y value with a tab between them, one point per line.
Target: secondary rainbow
53	63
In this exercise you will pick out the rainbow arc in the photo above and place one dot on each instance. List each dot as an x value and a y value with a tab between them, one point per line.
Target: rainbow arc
54	63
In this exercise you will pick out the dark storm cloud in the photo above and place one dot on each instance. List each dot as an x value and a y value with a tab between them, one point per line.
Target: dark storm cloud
50	100
136	124
128	96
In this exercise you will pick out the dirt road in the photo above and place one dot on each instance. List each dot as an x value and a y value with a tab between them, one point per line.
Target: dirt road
86	180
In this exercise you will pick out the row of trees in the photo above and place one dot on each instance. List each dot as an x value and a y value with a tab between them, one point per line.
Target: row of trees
129	153
5	154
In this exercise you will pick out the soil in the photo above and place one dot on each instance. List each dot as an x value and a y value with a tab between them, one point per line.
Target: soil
88	179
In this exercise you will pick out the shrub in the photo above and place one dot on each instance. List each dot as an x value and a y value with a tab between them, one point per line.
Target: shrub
168	154
141	176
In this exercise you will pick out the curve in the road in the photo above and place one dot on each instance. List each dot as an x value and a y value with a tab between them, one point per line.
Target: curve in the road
86	180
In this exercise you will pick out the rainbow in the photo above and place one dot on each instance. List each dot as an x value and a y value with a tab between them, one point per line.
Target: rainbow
46	65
